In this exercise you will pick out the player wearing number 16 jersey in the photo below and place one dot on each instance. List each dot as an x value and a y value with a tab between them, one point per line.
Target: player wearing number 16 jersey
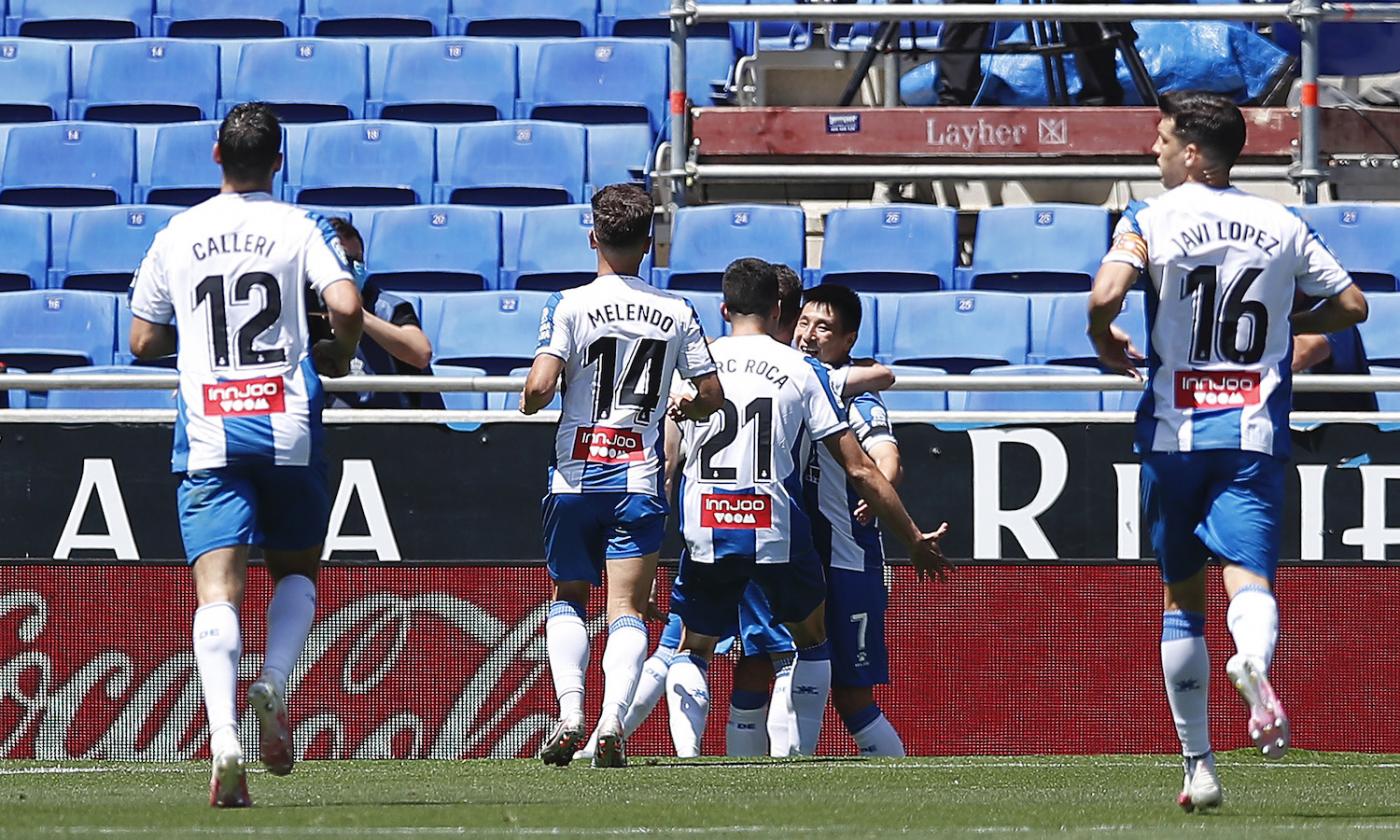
229	276
617	342
1222	268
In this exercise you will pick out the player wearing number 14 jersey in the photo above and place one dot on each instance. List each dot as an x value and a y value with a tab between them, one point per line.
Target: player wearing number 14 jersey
230	276
617	342
1222	267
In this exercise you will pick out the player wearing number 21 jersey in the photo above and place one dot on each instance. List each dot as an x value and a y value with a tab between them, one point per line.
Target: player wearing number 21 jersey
1222	268
616	342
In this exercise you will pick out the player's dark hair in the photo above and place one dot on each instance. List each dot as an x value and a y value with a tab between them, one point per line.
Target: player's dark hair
1211	121
789	294
750	287
843	302
622	216
250	138
344	229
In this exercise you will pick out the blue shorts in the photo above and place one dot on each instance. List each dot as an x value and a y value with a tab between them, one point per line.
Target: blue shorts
584	530
855	624
707	595
1222	502
278	508
760	633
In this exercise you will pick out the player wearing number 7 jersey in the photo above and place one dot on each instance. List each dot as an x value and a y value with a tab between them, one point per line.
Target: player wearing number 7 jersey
229	277
1221	267
617	342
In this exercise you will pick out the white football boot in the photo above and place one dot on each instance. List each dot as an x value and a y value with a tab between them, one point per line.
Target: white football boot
609	751
559	748
228	783
274	735
1268	723
1201	788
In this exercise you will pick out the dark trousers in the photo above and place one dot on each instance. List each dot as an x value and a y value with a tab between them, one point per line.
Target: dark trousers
960	75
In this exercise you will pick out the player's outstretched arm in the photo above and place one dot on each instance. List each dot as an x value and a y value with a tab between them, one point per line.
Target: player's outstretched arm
886	458
1111	286
866	376
404	342
151	341
347	316
1342	311
708	397
924	550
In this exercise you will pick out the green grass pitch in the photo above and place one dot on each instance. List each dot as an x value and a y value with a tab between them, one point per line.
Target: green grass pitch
1307	795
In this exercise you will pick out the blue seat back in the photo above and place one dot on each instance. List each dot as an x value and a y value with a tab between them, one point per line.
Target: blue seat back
1359	235
601	81
227	18
461	400
891	247
153	80
34	80
375	18
524	18
153	398
553	251
24	248
1031	400
1348	49
652	19
365	163
915	400
79	19
434	248
1059	321
305	79
618	154
68	164
43	330
1043	247
709	65
448	80
516	163
705	240
1379	332
496	331
959	331
707	309
106	245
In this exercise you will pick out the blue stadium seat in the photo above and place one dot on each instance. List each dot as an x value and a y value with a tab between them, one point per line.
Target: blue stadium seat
1379	332
461	400
958	331
1385	400
652	19
79	19
524	18
34	80
707	308
363	164
618	154
867	341
856	37
153	398
709	64
227	18
896	247
434	248
178	166
1360	237
1040	248
496	331
779	34
24	249
145	81
375	18
448	80
705	240
305	79
553	252
915	400
68	164
105	246
1028	400
1059	321
600	81
516	164
43	330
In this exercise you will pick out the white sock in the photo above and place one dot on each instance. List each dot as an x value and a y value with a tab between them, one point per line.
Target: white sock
217	649
566	639
811	685
873	733
746	733
688	700
1186	672
1253	622
782	721
289	616
623	656
651	685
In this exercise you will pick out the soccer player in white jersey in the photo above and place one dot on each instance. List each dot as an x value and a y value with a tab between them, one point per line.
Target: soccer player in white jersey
743	513
227	278
847	539
617	342
1221	269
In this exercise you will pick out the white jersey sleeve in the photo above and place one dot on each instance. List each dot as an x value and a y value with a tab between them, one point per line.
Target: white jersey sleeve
1319	274
150	291
325	262
695	359
824	415
556	329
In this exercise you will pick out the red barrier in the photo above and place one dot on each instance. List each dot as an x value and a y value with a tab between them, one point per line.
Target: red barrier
449	662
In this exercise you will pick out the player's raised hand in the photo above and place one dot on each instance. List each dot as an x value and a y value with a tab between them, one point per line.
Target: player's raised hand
1117	353
329	360
927	556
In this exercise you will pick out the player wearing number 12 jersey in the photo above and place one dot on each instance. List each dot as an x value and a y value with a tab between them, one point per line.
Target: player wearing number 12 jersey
617	342
1222	268
229	276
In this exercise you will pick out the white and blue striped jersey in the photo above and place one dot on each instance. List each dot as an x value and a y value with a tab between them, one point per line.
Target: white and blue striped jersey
742	491
620	340
841	541
230	274
1223	267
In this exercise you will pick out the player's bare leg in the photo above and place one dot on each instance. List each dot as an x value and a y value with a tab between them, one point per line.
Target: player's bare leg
629	589
566	639
811	679
869	728
219	577
688	691
290	614
1253	622
1186	674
